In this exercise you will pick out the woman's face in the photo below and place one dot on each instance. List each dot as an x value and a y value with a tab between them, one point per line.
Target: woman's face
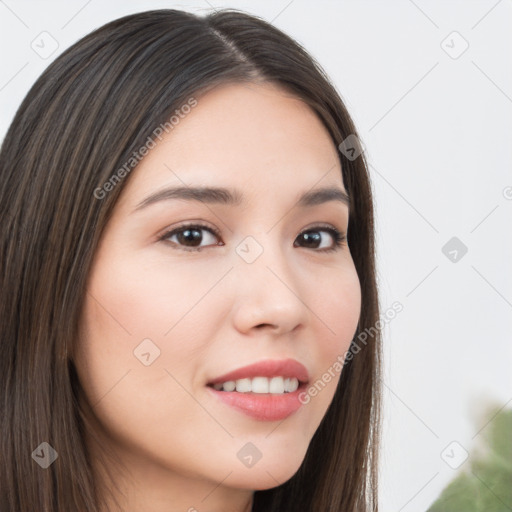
165	316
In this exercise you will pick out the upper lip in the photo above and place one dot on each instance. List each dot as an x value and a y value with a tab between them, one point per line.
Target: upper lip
287	368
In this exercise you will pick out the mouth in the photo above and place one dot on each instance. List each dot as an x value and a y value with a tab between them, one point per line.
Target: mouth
271	376
266	391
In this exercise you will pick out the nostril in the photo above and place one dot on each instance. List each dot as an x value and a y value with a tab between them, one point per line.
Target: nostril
261	326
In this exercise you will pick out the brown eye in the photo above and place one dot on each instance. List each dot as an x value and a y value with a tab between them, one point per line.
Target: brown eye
312	239
191	236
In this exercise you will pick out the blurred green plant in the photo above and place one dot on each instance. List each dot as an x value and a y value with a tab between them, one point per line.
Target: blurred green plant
485	484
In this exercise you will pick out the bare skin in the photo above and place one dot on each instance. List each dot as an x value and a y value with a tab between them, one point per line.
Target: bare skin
209	311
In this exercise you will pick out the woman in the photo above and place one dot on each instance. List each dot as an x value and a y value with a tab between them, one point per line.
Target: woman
187	262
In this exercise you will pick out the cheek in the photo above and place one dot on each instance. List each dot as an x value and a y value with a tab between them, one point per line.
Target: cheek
337	307
337	310
134	307
140	298
127	303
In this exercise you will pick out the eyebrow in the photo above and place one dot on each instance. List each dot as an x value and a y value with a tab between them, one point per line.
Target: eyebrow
233	197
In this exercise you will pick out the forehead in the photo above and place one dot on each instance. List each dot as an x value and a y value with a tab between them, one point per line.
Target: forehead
253	137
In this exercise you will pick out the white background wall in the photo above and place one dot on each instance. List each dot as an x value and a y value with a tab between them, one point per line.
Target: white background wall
438	129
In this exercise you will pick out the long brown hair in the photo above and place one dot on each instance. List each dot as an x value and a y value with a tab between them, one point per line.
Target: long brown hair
82	120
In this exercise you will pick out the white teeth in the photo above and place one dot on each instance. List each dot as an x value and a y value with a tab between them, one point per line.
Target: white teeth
229	385
259	385
274	385
290	385
243	385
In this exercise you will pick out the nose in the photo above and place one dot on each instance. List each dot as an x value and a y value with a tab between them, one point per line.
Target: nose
268	293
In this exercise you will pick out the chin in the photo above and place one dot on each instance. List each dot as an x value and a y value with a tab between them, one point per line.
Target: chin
262	477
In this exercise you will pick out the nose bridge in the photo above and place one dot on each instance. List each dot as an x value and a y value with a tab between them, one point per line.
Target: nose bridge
267	283
262	252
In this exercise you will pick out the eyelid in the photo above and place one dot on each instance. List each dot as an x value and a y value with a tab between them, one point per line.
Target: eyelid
189	224
320	226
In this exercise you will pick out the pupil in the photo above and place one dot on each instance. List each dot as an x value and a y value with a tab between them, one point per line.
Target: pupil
311	237
189	235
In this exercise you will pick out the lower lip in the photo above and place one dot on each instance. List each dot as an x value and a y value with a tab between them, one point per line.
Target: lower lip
262	406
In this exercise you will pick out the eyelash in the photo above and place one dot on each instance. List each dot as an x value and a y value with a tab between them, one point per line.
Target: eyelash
337	236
